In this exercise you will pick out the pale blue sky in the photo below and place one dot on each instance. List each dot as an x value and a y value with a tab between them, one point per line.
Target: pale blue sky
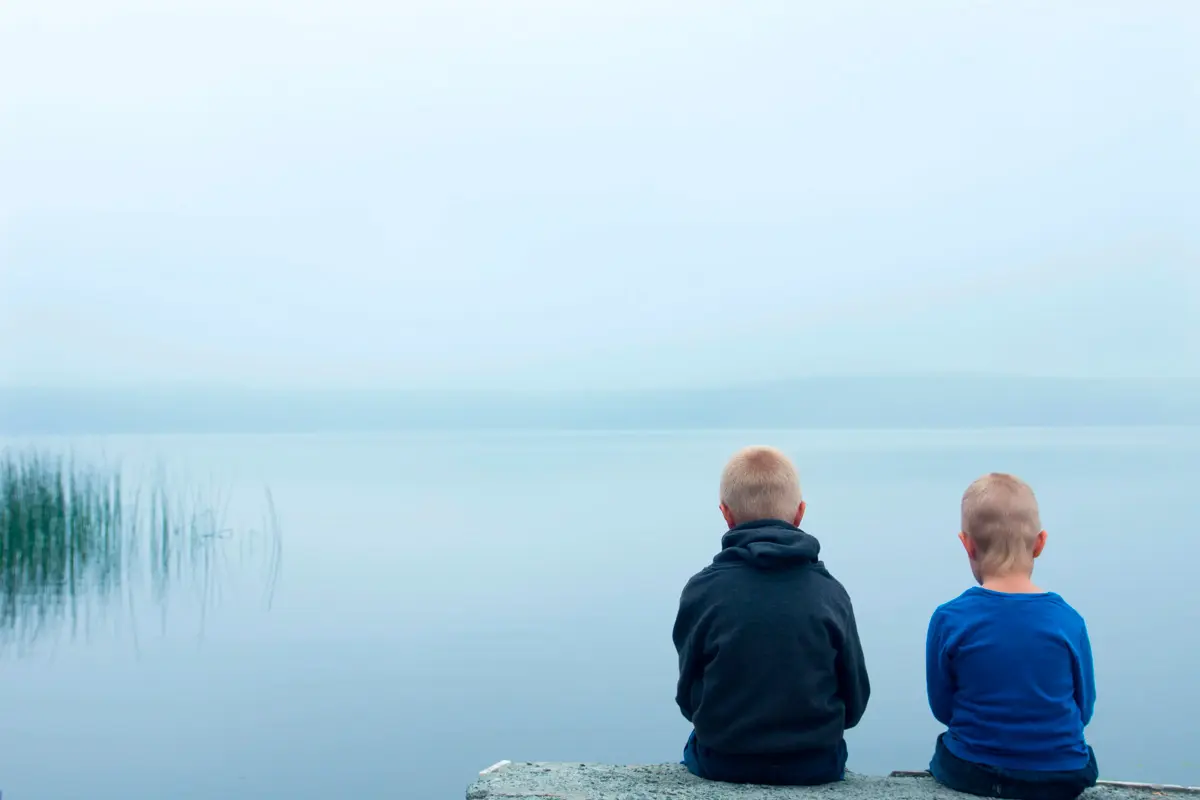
616	193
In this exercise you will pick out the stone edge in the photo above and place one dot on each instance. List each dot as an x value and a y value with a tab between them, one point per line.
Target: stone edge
499	765
1163	788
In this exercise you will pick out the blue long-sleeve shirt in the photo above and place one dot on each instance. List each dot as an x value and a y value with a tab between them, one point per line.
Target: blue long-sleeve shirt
1010	676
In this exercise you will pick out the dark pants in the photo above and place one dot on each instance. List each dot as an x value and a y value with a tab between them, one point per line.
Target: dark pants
1011	784
809	768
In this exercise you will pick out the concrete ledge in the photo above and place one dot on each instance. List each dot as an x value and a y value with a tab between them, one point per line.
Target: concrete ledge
569	781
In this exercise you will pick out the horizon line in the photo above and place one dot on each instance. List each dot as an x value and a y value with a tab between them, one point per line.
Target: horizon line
238	386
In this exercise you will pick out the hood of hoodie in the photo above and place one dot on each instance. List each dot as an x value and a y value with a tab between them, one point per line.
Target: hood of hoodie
768	544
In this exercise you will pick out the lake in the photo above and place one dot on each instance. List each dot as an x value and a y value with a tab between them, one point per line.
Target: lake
442	601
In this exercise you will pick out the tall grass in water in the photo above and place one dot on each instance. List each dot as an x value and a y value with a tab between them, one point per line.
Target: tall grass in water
71	538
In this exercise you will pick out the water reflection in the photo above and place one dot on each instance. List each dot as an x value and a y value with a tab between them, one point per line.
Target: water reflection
76	544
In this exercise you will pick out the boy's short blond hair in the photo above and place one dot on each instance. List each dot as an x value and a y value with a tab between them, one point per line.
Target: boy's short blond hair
1000	516
760	482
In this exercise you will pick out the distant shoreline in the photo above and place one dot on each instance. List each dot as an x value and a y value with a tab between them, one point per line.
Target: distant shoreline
884	403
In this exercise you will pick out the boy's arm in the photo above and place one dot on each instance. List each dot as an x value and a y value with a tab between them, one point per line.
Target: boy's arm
939	682
685	636
1085	678
854	685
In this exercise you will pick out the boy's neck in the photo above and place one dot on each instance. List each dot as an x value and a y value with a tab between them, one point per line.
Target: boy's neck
1016	583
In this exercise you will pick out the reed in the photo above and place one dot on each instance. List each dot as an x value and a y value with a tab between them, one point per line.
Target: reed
72	535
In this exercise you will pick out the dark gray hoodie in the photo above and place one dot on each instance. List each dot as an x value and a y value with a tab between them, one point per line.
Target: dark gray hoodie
769	656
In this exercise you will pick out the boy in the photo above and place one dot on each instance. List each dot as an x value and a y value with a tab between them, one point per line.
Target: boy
1008	665
771	672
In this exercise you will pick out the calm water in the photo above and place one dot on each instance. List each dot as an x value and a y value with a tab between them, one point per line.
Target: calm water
445	601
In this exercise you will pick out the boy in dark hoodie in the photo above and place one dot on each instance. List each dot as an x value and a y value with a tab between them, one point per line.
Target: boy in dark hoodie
771	671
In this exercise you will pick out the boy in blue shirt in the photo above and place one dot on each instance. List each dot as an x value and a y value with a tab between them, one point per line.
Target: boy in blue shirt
1008	665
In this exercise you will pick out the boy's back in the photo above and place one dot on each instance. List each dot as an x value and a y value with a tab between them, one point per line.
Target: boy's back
771	671
1010	675
1008	666
769	656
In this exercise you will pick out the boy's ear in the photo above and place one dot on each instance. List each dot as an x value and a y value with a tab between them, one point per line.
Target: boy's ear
728	515
799	514
1039	544
967	544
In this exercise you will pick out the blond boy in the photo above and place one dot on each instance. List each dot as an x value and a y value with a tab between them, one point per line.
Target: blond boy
1009	665
771	672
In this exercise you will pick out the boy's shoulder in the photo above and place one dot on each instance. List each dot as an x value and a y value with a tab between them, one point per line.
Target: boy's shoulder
977	601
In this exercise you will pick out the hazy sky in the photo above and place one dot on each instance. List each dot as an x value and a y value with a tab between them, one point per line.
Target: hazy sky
611	192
